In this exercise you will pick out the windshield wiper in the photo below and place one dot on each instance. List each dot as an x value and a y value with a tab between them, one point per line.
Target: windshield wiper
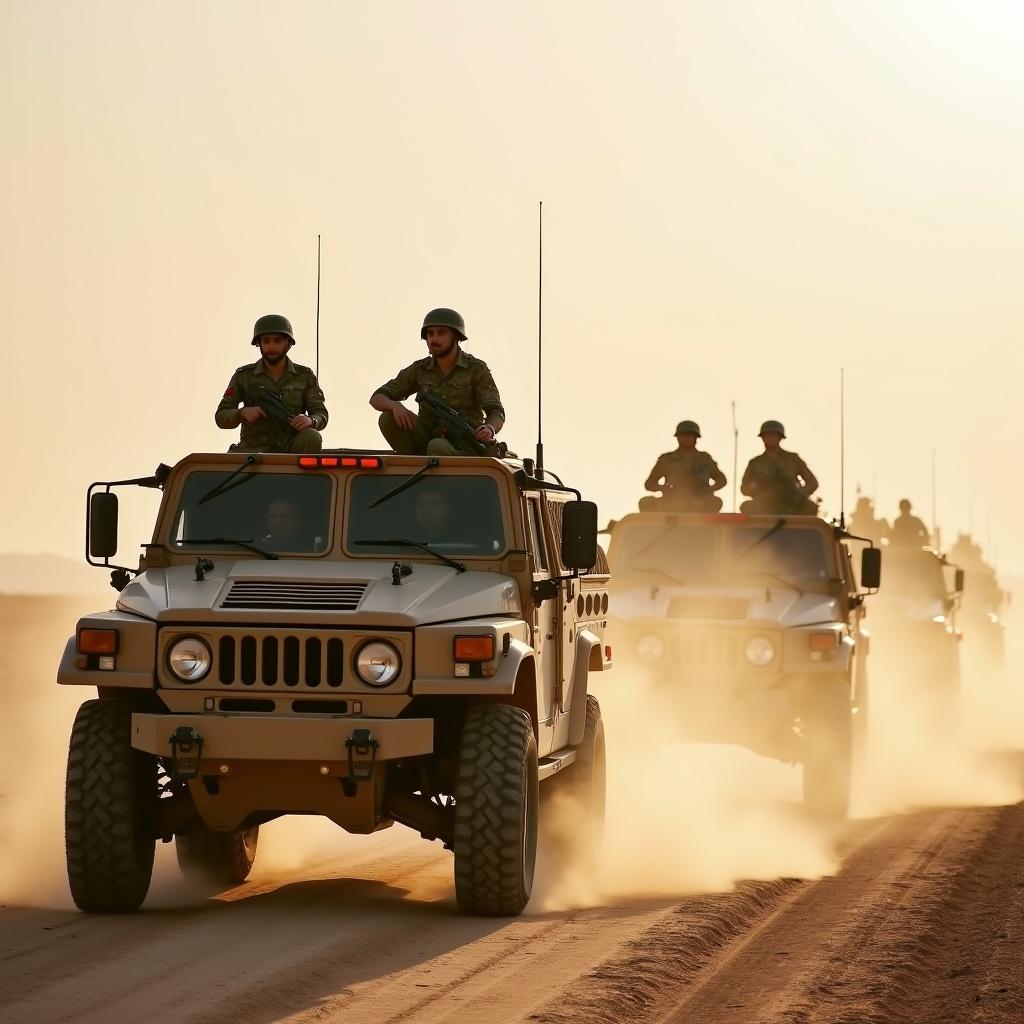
779	524
775	576
247	544
226	484
404	542
407	483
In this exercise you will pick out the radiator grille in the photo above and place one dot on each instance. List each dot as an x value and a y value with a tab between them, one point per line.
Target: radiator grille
289	660
302	596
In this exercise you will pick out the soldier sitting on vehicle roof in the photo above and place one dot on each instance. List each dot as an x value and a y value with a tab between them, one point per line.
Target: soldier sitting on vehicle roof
459	379
687	478
778	482
282	406
907	530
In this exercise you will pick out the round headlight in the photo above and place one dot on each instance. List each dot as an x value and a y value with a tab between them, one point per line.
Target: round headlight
650	649
189	659
760	651
378	663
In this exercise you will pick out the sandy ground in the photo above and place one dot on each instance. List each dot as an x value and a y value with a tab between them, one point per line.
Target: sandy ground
718	901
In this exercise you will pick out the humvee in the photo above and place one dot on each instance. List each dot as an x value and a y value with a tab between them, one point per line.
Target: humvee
751	626
370	637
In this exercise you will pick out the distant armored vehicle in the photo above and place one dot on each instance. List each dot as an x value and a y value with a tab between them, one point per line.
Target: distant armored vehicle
751	626
365	636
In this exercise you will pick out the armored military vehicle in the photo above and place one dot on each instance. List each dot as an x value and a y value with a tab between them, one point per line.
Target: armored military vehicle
752	629
365	636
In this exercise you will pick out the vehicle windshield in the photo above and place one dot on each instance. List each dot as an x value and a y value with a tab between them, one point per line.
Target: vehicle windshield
791	552
684	554
919	578
452	514
285	513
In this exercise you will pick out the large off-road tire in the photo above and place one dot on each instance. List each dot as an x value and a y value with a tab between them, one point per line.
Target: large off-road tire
828	755
109	810
223	858
496	811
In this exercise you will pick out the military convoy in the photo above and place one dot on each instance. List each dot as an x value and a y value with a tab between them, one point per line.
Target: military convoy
370	637
751	628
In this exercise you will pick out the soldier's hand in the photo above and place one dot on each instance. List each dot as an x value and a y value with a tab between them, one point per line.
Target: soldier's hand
300	421
252	414
485	433
405	419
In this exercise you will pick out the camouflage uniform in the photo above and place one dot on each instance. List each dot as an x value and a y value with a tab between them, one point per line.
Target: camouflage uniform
687	477
779	482
469	389
299	390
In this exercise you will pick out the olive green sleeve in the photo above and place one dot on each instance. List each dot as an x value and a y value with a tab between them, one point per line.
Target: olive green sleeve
402	386
227	416
712	472
313	400
809	479
653	481
487	391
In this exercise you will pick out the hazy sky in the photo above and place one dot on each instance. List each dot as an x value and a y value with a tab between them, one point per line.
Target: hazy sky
740	198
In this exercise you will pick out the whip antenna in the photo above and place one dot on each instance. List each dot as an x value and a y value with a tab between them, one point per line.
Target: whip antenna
842	447
318	306
735	453
540	335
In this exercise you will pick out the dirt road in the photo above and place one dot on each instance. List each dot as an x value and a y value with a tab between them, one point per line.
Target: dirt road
918	917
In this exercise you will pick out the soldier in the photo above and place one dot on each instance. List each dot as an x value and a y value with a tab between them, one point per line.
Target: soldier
461	380
907	530
864	522
778	482
687	478
282	406
283	525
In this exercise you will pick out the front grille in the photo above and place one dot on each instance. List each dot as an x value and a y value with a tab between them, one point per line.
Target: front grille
303	595
308	661
707	649
708	608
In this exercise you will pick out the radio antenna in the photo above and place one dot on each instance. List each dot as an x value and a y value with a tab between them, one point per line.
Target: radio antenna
842	447
735	453
935	514
540	336
318	307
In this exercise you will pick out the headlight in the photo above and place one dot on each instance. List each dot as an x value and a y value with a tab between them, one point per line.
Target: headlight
378	663
189	659
650	649
760	651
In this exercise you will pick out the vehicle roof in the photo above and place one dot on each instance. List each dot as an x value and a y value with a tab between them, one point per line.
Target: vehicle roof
724	519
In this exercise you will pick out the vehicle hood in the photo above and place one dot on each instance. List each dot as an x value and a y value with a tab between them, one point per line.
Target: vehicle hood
290	590
775	604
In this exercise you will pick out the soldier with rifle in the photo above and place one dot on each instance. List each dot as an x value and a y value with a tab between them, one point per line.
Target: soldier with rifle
448	381
777	481
278	403
687	478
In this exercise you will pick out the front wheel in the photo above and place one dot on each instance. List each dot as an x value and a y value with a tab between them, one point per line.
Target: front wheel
224	858
496	814
828	755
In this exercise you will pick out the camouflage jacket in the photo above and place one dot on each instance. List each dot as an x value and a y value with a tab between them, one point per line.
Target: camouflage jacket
685	471
780	473
297	387
469	388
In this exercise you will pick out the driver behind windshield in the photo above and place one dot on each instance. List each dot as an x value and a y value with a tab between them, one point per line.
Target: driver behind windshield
284	528
433	514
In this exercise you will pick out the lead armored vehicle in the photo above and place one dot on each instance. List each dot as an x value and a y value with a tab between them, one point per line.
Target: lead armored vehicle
369	637
751	628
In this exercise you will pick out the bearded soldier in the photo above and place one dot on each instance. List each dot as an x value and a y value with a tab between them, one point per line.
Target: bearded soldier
778	482
687	478
457	378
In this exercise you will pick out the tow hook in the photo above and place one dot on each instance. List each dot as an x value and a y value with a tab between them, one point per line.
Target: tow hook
186	750
362	744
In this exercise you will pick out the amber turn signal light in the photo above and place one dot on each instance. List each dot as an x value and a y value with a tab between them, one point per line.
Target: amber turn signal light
97	641
474	648
824	641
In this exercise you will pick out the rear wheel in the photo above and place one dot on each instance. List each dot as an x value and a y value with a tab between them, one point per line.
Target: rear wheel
496	819
828	755
222	857
109	810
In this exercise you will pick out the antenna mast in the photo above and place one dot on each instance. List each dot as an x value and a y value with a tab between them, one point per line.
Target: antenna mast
318	306
842	447
735	453
540	336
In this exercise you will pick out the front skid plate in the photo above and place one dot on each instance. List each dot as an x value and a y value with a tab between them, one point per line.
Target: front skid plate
273	738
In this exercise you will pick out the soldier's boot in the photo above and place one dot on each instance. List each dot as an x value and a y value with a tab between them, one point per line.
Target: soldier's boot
401	441
306	442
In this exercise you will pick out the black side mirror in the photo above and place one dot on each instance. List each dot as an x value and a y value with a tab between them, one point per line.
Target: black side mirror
871	568
103	525
958	585
579	535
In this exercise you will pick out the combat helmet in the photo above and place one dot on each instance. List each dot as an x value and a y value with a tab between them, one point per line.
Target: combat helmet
444	317
772	427
687	427
273	323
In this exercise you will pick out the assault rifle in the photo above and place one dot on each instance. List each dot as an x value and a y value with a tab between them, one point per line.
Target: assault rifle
273	405
458	429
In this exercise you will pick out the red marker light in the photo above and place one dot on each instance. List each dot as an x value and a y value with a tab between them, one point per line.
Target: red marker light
342	461
349	462
328	460
370	462
308	461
